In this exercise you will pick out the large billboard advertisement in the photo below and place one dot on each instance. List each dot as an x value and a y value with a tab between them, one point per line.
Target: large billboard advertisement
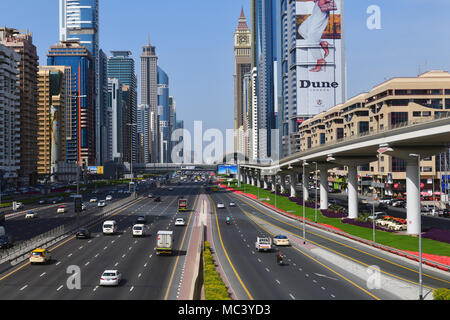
320	60
227	170
95	170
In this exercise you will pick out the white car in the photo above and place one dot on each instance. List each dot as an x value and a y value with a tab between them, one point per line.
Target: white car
232	204
281	240
108	197
83	206
110	278
220	205
170	189
180	222
93	200
138	230
61	209
31	215
101	203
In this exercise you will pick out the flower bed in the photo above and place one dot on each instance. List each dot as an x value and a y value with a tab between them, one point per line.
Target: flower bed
363	224
438	235
334	214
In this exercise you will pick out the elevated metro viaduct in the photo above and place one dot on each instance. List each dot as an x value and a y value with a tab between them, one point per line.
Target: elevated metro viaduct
411	143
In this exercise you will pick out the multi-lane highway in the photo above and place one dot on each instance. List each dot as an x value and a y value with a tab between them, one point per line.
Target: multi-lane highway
306	274
145	274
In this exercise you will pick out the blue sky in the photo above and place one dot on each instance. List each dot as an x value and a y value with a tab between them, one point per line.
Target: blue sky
194	41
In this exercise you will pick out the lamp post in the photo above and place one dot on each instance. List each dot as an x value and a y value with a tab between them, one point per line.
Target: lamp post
315	193
420	231
304	213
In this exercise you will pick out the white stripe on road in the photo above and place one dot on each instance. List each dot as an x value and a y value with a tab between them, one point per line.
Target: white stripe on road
59	288
23	287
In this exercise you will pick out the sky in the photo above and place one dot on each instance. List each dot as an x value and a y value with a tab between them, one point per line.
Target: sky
194	44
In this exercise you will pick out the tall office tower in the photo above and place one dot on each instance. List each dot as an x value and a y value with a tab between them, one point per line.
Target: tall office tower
79	20
22	43
312	64
172	123
121	67
143	129
115	102
242	53
149	94
54	108
265	60
109	134
101	127
80	146
10	116
164	116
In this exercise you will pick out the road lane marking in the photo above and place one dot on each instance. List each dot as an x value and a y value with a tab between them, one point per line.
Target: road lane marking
43	274
290	294
59	288
23	287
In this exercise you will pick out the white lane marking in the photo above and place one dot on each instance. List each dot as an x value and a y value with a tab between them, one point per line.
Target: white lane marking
139	275
116	264
58	262
259	260
145	265
105	248
23	287
69	255
123	256
96	255
290	294
277	281
89	241
95	288
86	263
314	281
43	274
267	269
132	288
332	295
80	247
323	288
59	288
129	248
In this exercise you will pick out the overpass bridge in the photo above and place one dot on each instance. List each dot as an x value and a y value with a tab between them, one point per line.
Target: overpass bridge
167	167
410	141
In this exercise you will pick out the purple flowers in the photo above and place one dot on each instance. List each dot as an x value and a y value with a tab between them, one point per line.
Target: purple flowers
438	235
333	214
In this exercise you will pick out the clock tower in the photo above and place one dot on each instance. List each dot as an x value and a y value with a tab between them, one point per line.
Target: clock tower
242	53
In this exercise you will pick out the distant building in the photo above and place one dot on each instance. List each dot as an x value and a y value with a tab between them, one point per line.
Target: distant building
115	102
143	129
164	116
22	43
9	109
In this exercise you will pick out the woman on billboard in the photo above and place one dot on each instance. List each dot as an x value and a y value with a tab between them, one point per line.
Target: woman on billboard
312	30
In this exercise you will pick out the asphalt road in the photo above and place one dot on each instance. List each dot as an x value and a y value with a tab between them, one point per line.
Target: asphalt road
303	277
145	274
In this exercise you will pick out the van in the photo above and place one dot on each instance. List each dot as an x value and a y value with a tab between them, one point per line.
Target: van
109	227
2	231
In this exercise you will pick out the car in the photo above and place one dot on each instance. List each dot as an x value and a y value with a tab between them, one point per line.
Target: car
281	240
157	199
43	201
110	278
19	205
220	205
31	215
377	215
150	195
93	200
5	242
180	222
83	233
83	206
109	227
101	203
138	229
61	209
108	197
141	219
40	255
232	204
263	244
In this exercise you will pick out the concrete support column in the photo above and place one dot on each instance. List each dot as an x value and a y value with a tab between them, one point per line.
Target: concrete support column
323	188
413	197
274	179
265	182
282	183
254	180
292	184
352	185
258	180
305	185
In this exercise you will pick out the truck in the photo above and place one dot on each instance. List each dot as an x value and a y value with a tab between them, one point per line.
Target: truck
263	244
164	242
182	205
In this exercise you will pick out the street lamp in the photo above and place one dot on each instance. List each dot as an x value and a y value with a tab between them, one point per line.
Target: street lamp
420	230
315	192
304	213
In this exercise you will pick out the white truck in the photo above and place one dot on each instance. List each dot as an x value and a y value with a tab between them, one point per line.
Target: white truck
164	242
263	244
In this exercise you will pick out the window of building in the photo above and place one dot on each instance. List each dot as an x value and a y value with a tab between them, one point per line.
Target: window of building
398	165
427	169
417	114
398	117
363	127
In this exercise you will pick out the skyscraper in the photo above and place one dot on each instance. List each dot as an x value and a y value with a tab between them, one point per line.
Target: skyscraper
164	116
242	51
22	43
9	108
143	129
121	67
80	146
101	127
115	102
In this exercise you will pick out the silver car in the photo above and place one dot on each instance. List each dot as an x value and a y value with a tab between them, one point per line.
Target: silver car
110	278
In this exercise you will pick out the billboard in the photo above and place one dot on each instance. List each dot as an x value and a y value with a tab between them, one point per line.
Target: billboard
320	60
95	170
227	170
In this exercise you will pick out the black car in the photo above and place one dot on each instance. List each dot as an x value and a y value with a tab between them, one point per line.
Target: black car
83	233
5	242
157	199
43	201
141	219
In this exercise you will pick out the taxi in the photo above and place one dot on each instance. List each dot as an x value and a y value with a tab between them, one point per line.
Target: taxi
40	255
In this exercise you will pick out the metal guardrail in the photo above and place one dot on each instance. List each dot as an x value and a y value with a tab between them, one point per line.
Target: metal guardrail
16	254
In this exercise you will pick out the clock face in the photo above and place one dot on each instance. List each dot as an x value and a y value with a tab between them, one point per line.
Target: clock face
242	39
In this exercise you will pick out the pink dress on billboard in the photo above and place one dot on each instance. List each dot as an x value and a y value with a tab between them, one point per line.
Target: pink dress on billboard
312	30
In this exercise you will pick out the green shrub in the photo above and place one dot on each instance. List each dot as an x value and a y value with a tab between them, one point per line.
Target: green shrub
441	294
215	288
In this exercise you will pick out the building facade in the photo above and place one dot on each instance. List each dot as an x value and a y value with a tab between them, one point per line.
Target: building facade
22	43
9	116
115	102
